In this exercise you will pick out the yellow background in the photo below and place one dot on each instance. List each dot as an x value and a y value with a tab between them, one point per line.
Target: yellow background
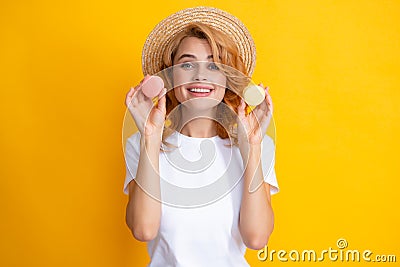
333	68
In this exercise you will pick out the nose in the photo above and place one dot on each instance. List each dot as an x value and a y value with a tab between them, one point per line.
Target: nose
200	73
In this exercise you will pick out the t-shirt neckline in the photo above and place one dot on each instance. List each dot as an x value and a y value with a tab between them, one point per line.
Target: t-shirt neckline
181	135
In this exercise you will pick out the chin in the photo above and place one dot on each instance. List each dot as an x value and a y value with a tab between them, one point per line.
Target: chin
200	105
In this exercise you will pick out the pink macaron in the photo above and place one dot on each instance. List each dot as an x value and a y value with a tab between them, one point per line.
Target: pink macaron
152	86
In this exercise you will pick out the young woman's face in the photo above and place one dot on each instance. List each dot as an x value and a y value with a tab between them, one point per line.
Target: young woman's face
196	77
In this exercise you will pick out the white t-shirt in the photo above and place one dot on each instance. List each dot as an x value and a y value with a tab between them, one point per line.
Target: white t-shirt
201	189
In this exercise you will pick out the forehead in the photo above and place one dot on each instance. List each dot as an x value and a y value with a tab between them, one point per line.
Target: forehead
194	45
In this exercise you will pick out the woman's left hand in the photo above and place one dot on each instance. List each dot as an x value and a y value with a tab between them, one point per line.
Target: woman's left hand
252	127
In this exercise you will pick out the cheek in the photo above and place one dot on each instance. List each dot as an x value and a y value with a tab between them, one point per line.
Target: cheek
180	78
179	94
221	81
220	93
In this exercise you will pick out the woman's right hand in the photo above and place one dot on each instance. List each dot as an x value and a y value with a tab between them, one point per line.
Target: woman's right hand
149	118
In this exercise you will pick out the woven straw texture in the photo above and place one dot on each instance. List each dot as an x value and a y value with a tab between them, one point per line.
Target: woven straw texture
220	20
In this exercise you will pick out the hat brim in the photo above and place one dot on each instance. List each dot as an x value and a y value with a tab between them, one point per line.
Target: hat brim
163	33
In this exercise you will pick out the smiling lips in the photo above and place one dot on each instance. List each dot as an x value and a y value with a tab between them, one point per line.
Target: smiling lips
200	90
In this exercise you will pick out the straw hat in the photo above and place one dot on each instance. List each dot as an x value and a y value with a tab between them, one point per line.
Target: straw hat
161	35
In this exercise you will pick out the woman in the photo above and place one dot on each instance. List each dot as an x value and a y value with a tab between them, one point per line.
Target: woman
205	196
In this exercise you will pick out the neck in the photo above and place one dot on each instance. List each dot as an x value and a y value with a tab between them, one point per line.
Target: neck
195	125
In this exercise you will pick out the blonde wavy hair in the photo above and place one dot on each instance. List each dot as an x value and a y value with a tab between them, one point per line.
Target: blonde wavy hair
226	56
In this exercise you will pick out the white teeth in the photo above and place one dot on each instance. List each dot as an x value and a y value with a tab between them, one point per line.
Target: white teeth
199	90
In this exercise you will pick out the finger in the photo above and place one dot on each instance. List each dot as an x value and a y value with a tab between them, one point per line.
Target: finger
145	78
128	97
268	100
241	108
162	99
263	112
263	105
131	91
135	94
260	112
139	95
270	105
267	91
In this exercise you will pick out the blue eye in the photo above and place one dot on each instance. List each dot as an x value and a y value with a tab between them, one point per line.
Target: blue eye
213	66
187	65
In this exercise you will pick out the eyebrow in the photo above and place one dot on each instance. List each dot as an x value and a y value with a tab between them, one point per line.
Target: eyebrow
192	56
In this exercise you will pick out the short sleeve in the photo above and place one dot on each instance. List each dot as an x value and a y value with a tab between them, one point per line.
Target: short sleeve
132	152
268	163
